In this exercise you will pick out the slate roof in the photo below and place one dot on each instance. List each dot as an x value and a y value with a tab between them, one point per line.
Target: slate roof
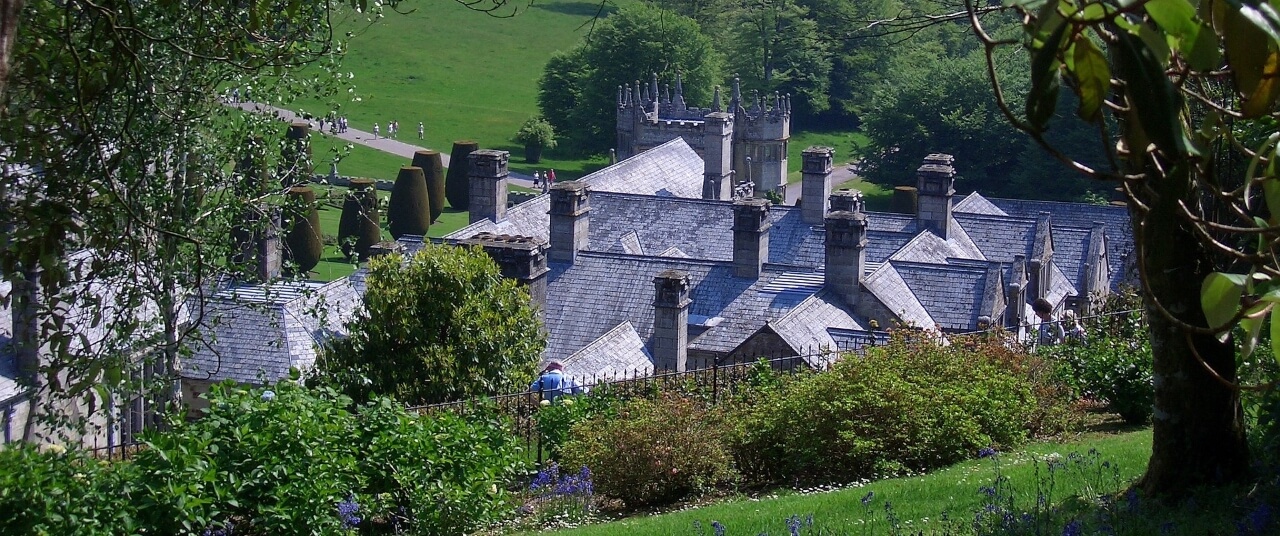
1082	216
672	169
953	294
888	286
252	333
999	237
589	300
807	327
619	353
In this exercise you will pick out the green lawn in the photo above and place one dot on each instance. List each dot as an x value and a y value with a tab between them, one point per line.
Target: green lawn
464	74
917	501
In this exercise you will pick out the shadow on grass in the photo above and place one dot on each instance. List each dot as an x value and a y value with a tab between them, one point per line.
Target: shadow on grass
581	9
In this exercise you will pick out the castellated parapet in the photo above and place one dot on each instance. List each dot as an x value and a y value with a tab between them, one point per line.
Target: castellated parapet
745	141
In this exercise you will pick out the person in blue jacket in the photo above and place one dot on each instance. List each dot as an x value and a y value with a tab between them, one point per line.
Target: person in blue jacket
553	383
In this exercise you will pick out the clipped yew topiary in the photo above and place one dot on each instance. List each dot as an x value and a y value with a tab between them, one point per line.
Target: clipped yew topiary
303	246
457	184
409	212
429	161
359	229
295	156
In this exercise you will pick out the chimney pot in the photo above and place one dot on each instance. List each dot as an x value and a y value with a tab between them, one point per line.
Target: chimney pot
670	342
570	220
750	236
815	183
488	177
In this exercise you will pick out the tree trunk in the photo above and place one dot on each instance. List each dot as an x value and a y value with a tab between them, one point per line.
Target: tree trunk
10	11
1198	432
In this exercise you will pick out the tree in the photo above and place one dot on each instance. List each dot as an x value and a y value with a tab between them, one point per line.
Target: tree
457	183
931	101
442	325
409	211
777	49
578	91
1191	95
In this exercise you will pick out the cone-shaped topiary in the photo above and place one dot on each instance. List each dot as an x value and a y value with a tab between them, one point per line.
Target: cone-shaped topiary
359	229
251	185
457	184
409	212
303	246
431	166
295	156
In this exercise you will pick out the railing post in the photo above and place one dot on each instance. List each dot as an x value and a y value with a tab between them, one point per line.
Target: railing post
715	380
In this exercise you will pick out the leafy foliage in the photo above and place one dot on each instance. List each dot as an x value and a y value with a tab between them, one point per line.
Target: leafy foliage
442	325
556	419
537	132
280	460
578	91
654	451
909	405
409	211
1113	362
433	167
457	183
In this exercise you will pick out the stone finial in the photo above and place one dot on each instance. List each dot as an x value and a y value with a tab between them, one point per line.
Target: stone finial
715	101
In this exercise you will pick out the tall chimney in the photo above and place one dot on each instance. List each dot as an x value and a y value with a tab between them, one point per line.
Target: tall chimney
488	177
717	157
815	185
935	183
750	236
521	258
270	251
570	220
1016	294
670	342
846	253
1039	274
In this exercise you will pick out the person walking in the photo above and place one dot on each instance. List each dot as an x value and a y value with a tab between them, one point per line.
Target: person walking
537	180
1050	331
375	131
551	176
421	130
553	383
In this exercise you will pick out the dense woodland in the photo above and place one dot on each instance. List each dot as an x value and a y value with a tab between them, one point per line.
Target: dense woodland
913	88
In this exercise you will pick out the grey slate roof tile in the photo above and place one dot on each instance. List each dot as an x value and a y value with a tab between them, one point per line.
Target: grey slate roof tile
974	203
888	286
618	353
1082	216
951	293
255	333
806	327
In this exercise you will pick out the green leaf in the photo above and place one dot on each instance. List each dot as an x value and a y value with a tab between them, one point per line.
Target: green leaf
1254	58
1220	299
1203	54
1155	101
1275	336
1176	17
1043	97
1252	326
1093	77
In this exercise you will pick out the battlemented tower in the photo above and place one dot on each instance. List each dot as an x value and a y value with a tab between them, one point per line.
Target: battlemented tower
745	142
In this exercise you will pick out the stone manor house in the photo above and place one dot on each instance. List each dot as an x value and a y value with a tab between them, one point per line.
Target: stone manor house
651	264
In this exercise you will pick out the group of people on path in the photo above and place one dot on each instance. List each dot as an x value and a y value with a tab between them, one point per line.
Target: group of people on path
393	130
544	180
338	125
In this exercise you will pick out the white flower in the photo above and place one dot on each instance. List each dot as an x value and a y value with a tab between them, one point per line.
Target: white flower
568	402
55	448
268	395
544	403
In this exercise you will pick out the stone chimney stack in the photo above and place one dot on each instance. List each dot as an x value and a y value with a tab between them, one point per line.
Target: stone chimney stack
846	252
750	236
717	143
270	251
846	200
488	176
521	258
935	181
670	343
815	185
1016	294
570	220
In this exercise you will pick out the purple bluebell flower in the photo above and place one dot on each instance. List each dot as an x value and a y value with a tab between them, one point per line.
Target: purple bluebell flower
987	452
1131	501
1072	529
1259	518
866	499
347	510
225	530
718	527
987	490
793	525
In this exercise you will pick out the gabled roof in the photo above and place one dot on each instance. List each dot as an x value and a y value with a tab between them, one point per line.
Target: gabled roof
888	286
953	294
806	328
1115	221
253	333
619	353
974	203
672	169
1000	237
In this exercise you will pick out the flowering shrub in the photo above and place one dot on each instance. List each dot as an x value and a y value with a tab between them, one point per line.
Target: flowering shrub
654	451
1114	362
909	405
